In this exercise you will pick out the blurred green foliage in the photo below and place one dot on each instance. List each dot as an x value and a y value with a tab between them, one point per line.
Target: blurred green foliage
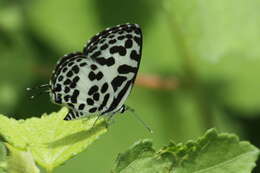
210	47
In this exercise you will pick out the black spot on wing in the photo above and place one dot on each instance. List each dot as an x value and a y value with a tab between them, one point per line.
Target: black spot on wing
67	58
63	62
129	36
93	89
96	96
104	102
104	87
83	64
67	89
103	47
71	63
91	76
138	40
90	101
92	49
99	75
128	43
74	82
109	33
93	110
96	54
67	97
80	59
117	82
128	30
67	82
124	69
111	36
75	69
72	115
60	78
81	106
102	41
69	74
64	69
118	99
113	41
138	31
118	49
73	85
121	37
74	96
93	67
134	55
76	79
106	61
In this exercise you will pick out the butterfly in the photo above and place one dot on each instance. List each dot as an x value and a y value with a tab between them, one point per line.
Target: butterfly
99	79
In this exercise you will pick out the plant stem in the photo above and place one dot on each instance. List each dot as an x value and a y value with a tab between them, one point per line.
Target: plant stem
48	170
191	81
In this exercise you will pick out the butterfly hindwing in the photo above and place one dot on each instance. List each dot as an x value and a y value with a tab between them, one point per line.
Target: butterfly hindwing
81	87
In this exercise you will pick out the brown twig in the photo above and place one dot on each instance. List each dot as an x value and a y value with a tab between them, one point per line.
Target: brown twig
142	80
156	82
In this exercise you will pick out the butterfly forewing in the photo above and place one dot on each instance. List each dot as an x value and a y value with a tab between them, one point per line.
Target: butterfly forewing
117	50
99	79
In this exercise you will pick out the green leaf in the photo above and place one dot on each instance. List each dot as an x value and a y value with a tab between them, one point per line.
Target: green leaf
50	139
20	161
140	158
212	153
3	157
219	41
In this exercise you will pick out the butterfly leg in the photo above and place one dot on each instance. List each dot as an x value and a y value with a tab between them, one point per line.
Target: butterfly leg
127	108
110	118
99	115
72	114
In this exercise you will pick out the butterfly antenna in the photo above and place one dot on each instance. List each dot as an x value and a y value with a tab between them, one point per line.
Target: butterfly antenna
36	88
37	94
139	119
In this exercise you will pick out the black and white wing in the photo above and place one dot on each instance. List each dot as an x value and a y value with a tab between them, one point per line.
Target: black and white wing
100	79
78	84
117	52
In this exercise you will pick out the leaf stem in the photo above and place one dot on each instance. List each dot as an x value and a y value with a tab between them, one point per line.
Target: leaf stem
49	170
191	81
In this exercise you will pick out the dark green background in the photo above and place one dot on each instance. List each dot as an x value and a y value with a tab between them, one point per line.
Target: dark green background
211	48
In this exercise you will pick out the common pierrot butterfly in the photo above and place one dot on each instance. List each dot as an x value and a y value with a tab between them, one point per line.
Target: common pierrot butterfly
99	79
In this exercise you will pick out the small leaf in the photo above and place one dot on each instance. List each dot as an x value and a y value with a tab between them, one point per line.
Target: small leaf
50	139
140	158
139	150
212	153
